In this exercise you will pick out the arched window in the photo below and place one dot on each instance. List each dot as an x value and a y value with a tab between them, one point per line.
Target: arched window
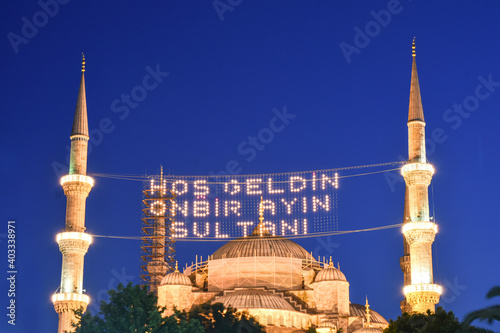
270	319
256	317
282	321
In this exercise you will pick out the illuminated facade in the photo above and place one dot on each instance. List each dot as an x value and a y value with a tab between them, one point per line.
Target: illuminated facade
421	294
275	280
73	241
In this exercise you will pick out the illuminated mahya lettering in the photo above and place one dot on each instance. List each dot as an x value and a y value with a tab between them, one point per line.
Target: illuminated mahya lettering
270	187
245	226
294	180
184	189
299	196
197	234
293	228
201	208
158	208
232	187
317	202
218	231
216	206
268	205
180	231
253	188
161	188
200	187
232	206
289	205
182	207
270	227
334	182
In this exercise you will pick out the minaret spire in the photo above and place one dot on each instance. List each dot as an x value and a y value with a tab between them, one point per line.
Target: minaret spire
80	122
421	294
416	112
73	241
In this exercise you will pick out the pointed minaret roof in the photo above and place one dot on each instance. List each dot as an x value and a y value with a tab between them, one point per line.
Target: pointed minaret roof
80	123
416	111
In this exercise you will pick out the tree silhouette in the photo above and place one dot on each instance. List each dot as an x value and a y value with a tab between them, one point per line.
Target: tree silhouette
488	314
133	309
437	322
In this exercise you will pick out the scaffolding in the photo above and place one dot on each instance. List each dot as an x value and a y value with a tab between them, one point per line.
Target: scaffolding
158	243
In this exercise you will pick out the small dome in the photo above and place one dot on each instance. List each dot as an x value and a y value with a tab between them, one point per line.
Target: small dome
251	298
176	278
358	310
330	273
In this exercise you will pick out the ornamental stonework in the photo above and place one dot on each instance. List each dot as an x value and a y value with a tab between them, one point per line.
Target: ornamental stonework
422	297
77	188
418	177
69	306
73	246
420	236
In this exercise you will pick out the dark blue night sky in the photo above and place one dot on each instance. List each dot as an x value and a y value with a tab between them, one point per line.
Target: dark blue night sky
341	67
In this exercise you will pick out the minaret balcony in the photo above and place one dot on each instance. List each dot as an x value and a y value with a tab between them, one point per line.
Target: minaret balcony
77	178
68	302
417	166
422	296
73	242
60	297
413	288
420	232
417	173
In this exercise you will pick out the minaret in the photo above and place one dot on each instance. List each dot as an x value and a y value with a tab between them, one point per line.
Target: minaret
421	294
73	241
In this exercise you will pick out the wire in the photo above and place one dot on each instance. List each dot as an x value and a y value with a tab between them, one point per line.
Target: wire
146	177
213	239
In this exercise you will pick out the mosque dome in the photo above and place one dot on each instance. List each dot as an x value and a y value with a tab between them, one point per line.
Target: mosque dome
254	298
176	278
261	243
358	310
330	273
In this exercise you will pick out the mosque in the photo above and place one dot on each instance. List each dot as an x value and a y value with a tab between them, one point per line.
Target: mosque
271	277
276	281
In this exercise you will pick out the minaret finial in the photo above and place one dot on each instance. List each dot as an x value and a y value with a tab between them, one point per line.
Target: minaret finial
261	216
176	266
368	315
331	262
413	48
83	63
